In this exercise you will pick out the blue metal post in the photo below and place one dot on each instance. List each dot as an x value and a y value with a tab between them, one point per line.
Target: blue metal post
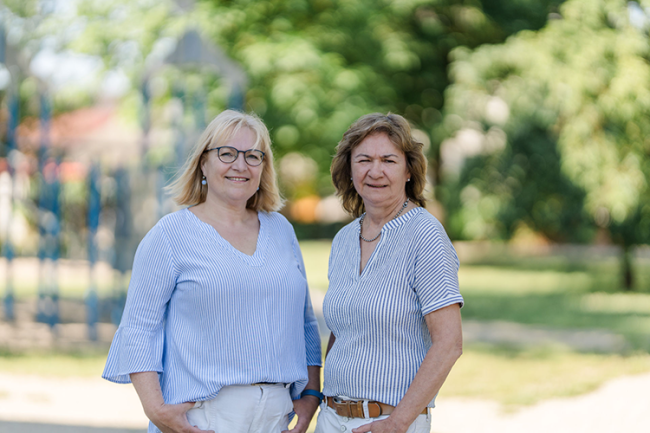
94	209
8	248
146	120
122	256
50	227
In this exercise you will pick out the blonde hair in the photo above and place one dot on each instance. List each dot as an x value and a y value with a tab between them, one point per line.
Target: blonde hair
187	189
398	131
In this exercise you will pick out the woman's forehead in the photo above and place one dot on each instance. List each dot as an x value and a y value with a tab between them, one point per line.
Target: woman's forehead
377	145
240	136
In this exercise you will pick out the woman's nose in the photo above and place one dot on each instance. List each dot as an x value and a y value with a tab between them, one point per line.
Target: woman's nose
375	169
240	161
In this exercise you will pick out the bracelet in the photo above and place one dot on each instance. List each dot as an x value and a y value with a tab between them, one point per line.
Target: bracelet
313	392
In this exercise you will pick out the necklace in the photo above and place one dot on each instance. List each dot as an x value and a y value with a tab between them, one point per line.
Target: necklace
379	234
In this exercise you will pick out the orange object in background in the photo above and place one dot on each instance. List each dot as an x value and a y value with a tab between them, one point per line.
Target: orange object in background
304	209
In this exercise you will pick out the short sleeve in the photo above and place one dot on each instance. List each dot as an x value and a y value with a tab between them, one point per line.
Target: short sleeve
138	343
436	269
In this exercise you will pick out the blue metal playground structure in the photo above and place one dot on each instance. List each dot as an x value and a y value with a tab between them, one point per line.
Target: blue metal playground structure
192	52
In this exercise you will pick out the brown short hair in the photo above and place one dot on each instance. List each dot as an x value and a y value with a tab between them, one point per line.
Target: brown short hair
187	189
398	131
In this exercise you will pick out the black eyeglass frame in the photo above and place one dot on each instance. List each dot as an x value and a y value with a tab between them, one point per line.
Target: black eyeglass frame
238	152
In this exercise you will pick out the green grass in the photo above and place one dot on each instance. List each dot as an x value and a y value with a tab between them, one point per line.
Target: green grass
53	364
524	377
555	299
316	255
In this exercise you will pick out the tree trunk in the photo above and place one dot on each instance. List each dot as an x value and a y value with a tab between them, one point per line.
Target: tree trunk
628	279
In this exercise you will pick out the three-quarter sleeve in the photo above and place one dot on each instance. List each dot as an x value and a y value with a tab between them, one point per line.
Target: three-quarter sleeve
312	335
436	270
138	343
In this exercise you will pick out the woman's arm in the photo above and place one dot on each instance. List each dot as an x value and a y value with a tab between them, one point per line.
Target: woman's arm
169	418
447	338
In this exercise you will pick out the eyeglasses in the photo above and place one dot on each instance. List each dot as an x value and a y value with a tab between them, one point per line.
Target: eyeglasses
228	155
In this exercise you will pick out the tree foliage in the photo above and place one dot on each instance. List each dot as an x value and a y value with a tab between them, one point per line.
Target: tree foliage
316	66
313	66
569	108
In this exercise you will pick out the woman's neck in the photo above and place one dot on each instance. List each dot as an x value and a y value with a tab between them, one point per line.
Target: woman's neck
380	215
225	214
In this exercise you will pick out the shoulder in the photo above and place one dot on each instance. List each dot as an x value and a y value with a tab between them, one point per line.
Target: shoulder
173	222
168	226
426	225
276	220
349	232
278	226
177	217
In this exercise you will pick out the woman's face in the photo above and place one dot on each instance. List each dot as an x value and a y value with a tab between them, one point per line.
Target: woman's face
233	183
379	171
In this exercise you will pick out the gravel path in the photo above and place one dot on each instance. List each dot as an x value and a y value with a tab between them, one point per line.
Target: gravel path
621	405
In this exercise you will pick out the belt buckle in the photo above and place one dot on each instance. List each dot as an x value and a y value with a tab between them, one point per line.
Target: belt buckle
359	407
342	408
347	408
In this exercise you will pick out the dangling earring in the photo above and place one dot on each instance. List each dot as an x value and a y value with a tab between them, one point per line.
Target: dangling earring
203	181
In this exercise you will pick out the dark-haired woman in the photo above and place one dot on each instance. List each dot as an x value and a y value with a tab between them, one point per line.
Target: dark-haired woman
393	303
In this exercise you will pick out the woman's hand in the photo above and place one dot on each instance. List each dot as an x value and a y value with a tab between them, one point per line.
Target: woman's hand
387	425
305	408
172	418
169	418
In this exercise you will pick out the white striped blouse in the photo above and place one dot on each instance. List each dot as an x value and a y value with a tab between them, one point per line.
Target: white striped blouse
205	315
378	316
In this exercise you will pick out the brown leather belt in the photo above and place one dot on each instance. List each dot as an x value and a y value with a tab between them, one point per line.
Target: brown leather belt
354	409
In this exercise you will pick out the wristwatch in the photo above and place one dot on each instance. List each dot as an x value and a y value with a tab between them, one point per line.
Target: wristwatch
313	392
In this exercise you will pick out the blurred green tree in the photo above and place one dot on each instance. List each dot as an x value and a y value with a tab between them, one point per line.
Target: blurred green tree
316	66
549	131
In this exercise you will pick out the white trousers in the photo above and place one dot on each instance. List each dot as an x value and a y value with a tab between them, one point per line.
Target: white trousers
329	422
244	409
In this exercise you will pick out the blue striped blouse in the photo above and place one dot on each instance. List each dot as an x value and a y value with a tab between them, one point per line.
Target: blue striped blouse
378	316
205	315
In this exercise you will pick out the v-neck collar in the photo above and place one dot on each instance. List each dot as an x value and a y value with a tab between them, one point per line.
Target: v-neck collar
257	259
390	225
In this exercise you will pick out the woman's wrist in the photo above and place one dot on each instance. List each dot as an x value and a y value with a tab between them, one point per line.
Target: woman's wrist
313	393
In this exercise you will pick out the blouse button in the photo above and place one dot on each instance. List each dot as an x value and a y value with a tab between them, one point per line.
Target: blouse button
342	428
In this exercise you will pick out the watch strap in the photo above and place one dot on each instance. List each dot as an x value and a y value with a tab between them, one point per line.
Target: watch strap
313	392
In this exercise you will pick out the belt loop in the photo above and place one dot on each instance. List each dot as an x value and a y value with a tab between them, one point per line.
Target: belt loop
366	412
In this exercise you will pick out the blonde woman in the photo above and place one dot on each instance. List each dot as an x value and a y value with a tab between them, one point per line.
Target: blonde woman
218	332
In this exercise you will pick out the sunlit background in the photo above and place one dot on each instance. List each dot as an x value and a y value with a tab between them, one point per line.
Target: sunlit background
535	116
